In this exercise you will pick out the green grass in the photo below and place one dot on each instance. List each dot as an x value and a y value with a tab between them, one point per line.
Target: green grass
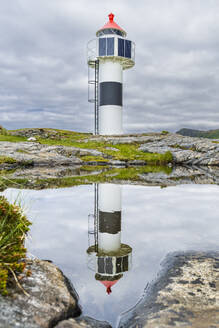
7	160
98	159
12	138
125	152
13	228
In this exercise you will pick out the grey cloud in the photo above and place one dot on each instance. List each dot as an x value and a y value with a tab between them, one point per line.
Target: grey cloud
43	70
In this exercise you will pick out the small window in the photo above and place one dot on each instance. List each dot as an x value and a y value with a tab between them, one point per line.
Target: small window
121	47
102	47
110	46
110	31
128	49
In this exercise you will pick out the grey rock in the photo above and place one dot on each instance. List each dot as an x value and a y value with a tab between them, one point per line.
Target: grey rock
51	299
83	322
185	150
185	294
168	177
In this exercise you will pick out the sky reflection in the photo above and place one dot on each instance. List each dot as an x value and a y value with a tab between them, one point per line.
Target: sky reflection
155	221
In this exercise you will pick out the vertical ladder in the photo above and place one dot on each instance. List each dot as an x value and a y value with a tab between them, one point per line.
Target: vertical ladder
93	89
96	215
93	221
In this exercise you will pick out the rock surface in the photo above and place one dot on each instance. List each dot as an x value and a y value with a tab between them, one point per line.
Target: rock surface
51	299
82	323
45	177
185	150
185	294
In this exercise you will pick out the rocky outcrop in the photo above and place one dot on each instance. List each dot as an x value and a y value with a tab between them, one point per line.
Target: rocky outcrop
51	299
185	150
35	154
44	177
82	323
185	294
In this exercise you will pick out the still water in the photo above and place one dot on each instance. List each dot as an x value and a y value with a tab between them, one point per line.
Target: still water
150	221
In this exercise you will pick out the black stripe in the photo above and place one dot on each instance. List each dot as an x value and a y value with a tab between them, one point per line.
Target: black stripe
110	222
110	93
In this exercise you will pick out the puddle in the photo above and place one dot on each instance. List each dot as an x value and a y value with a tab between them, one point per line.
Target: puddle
131	227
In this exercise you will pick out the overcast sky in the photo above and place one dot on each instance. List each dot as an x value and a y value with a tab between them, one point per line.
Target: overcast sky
43	68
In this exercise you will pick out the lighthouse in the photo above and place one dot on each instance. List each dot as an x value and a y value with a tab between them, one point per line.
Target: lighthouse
108	257
107	56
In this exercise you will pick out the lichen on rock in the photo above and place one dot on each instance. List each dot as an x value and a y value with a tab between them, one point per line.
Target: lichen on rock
185	294
51	299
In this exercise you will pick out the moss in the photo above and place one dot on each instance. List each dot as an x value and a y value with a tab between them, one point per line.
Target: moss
165	132
177	146
7	160
22	151
127	152
13	228
94	159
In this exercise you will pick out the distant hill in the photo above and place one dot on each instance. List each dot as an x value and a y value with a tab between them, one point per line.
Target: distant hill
212	134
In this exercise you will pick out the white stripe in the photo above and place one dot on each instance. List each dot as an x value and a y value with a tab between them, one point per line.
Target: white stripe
109	242
110	70
110	119
109	197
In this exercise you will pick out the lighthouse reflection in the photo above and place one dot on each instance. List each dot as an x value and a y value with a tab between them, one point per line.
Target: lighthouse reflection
107	256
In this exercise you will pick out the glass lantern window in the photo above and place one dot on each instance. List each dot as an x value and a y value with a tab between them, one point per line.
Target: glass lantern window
121	47
110	46
102	47
128	49
110	31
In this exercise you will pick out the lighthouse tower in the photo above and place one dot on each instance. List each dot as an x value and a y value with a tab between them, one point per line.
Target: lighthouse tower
109	54
108	257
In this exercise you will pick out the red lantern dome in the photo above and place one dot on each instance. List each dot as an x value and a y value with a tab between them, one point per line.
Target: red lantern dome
108	285
111	25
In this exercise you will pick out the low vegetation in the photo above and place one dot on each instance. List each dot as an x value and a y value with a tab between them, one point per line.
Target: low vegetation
7	160
10	138
120	152
13	228
87	175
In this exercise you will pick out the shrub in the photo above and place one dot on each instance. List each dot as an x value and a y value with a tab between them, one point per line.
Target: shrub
13	228
3	131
